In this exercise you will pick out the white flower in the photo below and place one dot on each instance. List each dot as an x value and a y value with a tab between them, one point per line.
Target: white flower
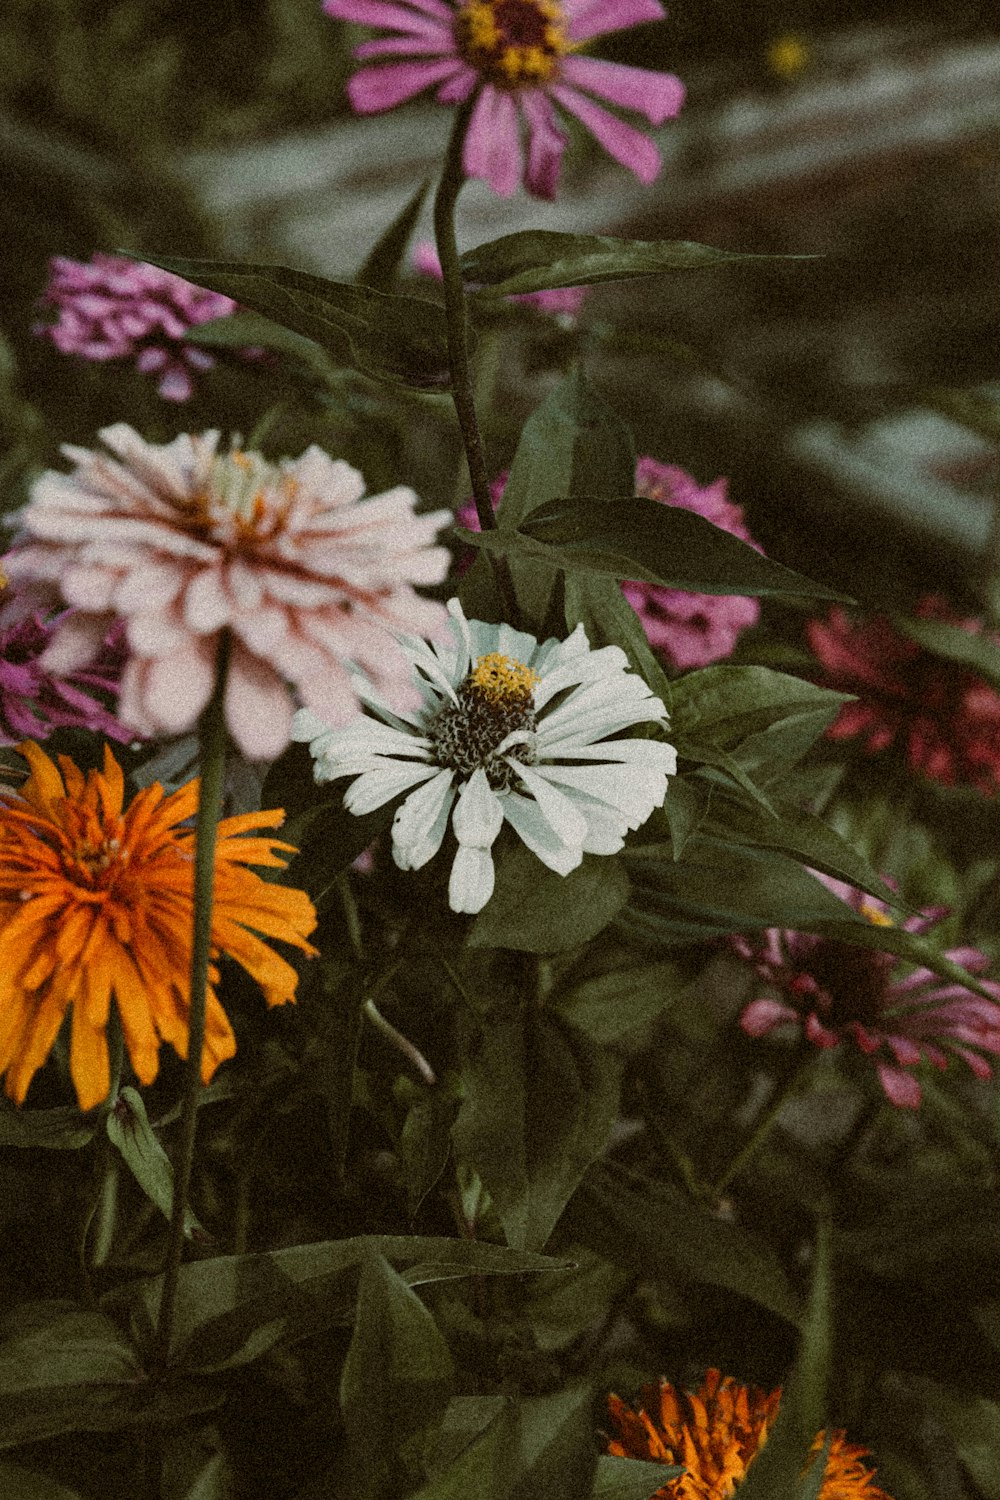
509	728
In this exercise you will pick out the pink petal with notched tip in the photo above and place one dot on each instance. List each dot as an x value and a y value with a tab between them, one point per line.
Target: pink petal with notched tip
902	1089
257	707
626	144
492	145
169	692
375	89
546	145
589	18
658	96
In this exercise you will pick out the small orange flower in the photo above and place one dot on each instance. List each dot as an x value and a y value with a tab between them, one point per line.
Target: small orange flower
97	901
716	1434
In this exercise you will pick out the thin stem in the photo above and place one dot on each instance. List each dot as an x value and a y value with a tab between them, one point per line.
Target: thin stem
456	318
212	746
782	1093
402	1043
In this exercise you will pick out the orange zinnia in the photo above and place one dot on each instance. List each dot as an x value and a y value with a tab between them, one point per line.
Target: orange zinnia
97	900
716	1434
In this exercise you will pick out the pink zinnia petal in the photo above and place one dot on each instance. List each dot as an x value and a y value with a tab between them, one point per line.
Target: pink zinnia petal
257	707
626	144
761	1016
658	96
393	17
590	18
493	144
546	145
902	1089
358	10
376	89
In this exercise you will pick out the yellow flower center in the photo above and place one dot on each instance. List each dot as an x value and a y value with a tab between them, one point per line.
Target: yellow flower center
502	679
873	915
512	42
245	501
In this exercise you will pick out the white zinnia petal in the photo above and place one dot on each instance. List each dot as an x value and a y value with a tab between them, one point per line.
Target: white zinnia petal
478	816
558	811
418	826
633	790
472	878
378	786
525	817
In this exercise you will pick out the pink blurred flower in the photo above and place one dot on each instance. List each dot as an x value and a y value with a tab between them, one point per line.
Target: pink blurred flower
185	542
34	701
838	992
688	630
524	56
945	717
563	303
114	308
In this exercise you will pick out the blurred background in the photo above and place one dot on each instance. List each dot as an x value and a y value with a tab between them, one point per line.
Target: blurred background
852	398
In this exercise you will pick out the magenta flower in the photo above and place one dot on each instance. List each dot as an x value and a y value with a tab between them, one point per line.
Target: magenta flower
34	701
310	578
524	57
688	630
563	303
113	308
837	992
945	717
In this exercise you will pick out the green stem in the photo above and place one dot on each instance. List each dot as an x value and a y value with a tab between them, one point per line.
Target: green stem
784	1091
402	1043
212	744
456	318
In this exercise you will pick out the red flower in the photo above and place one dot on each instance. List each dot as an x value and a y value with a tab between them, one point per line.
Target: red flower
946	718
839	992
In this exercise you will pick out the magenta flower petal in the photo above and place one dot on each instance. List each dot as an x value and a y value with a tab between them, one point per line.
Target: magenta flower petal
403	46
761	1016
658	96
375	89
456	90
546	145
590	18
393	17
902	1088
493	143
626	144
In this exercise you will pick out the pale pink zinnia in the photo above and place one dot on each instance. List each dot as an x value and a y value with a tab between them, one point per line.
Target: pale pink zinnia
34	701
524	56
114	308
184	542
841	992
561	302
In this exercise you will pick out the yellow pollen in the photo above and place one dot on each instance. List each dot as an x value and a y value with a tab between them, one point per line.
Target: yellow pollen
874	916
788	55
3	579
500	678
512	42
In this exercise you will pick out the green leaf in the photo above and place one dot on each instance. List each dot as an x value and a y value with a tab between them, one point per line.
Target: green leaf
730	706
685	809
540	1102
245	330
233	1308
633	537
657	1230
977	652
129	1130
60	1129
394	338
630	1478
396	1382
566	1304
481	1466
777	1471
555	1458
974	1427
17	1483
65	1369
564	910
425	1141
599	605
612	1007
384	261
538	259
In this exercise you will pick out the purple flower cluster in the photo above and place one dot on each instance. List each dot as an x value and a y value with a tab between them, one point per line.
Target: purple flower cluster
33	699
113	308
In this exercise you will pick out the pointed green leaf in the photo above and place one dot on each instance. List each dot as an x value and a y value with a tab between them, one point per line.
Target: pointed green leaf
481	1467
556	1458
611	1006
59	1129
657	1230
540	1102
396	1382
538	259
129	1130
394	338
245	330
385	260
630	1478
564	911
730	705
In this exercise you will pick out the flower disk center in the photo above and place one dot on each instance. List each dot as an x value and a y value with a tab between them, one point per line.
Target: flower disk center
512	42
245	501
495	701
